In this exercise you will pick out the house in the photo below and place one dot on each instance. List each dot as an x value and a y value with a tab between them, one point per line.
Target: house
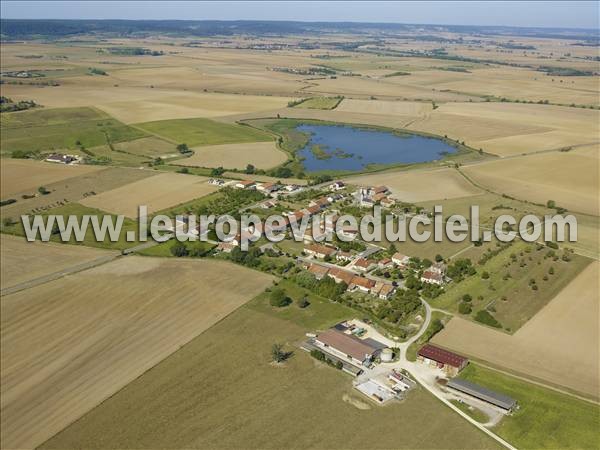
383	290
245	184
361	284
378	190
337	186
349	231
61	159
431	277
385	263
267	188
291	187
312	210
318	271
387	202
502	401
400	260
449	362
321	203
343	256
378	197
340	275
334	197
268	204
320	251
364	265
438	267
216	182
346	346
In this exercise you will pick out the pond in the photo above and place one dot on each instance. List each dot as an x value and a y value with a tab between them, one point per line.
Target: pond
341	147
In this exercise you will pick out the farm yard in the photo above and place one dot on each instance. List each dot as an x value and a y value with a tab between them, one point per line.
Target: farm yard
157	192
559	345
197	411
53	374
262	155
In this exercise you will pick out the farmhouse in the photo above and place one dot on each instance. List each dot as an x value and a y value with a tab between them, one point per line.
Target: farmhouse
61	159
431	277
400	260
245	184
216	182
346	346
318	271
320	251
383	290
502	401
361	284
337	186
449	362
340	275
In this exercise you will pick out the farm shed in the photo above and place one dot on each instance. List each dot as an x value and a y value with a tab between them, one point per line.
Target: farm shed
347	346
500	400
450	362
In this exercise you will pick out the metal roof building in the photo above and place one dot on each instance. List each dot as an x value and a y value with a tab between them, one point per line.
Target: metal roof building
482	393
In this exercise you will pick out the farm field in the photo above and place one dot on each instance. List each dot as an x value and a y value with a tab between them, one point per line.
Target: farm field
45	130
195	132
125	320
393	108
420	186
148	146
559	345
157	193
197	411
21	175
569	178
83	183
508	129
545	419
262	155
319	103
23	261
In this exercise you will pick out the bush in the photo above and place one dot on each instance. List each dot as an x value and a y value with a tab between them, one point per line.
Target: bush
485	275
179	249
467	298
464	308
8	201
486	318
278	298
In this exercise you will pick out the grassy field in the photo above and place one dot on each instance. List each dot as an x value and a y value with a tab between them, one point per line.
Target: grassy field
411	352
214	404
262	155
79	210
124	320
164	249
196	132
157	193
545	419
23	261
559	345
508	291
319	103
61	129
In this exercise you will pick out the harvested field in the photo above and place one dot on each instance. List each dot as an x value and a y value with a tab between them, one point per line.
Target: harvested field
422	185
157	192
262	155
84	184
70	344
571	178
319	103
23	261
560	345
205	401
509	129
22	175
412	109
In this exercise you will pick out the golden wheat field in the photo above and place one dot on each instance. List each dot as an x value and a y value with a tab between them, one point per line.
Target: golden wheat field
559	345
157	192
71	343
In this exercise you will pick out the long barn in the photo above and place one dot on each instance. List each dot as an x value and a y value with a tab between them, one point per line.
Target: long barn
466	387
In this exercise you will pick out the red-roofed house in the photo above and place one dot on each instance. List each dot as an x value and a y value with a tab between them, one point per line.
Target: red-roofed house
318	271
448	361
364	265
361	284
340	275
431	277
319	251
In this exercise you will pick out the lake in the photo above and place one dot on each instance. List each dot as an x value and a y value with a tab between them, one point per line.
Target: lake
341	147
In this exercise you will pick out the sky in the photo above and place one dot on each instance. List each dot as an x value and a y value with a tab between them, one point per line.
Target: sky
574	14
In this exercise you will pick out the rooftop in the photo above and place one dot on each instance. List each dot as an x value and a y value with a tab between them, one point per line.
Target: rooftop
442	356
347	344
495	398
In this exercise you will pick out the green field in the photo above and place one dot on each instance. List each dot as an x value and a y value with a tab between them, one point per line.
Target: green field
60	129
194	132
508	294
320	103
79	210
164	249
221	391
545	419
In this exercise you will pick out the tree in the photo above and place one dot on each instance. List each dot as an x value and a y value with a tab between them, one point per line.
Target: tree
551	204
250	169
392	250
179	249
183	170
439	258
218	171
485	275
42	190
278	298
278	354
183	148
467	298
464	308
